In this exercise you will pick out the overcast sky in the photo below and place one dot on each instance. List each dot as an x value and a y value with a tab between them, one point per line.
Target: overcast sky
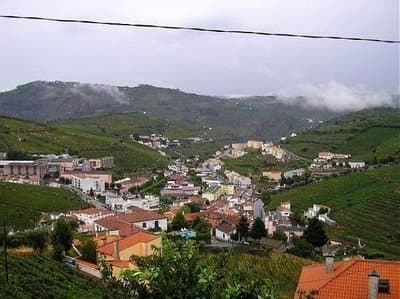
207	63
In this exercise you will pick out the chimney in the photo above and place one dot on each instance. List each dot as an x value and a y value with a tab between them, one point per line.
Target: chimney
104	240
116	250
373	282
329	259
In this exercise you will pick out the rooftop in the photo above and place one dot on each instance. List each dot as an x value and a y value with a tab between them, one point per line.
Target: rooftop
349	279
129	241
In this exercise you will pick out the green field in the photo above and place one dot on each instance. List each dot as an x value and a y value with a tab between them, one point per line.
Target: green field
365	205
34	138
23	203
32	276
367	135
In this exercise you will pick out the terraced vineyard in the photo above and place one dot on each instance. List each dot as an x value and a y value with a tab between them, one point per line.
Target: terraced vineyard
23	204
34	138
369	135
365	205
32	276
282	269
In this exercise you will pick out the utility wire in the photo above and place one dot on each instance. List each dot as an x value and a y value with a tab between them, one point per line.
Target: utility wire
262	33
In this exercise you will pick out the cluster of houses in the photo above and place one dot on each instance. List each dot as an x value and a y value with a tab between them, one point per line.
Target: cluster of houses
332	162
45	166
279	221
118	236
178	186
267	148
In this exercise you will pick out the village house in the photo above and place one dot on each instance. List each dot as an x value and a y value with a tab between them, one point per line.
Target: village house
216	191
138	217
224	232
101	163
33	171
272	175
213	164
237	179
284	209
321	212
238	149
119	204
116	251
295	172
104	176
87	217
255	144
177	186
87	183
357	165
333	156
128	183
351	279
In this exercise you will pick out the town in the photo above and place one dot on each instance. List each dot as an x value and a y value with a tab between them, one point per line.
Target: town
130	211
199	149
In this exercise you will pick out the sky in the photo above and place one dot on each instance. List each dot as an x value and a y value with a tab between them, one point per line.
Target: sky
207	63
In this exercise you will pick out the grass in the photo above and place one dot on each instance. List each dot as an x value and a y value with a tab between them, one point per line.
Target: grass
365	205
34	138
367	135
33	276
24	203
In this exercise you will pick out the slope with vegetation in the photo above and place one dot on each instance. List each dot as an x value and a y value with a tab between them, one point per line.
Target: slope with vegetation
123	125
365	205
34	138
23	204
34	276
371	135
241	118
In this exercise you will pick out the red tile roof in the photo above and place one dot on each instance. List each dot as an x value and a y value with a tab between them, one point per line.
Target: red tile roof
136	238
92	211
349	279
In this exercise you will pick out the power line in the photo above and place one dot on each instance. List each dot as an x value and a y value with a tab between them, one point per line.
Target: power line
202	29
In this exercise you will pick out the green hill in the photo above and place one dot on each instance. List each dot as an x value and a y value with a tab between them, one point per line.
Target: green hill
365	205
369	135
33	276
23	204
241	118
34	138
124	124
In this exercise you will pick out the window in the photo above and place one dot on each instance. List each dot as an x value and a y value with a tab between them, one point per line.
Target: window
144	225
383	286
156	225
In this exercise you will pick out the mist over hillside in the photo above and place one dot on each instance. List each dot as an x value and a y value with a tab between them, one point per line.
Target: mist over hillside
265	117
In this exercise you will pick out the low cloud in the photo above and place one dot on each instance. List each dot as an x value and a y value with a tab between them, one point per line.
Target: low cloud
88	89
335	97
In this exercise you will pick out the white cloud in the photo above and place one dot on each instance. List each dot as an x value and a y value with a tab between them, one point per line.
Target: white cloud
335	96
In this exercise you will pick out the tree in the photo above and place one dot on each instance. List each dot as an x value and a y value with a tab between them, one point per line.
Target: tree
38	239
258	230
180	273
88	251
179	221
302	248
243	228
266	197
61	237
202	231
315	233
